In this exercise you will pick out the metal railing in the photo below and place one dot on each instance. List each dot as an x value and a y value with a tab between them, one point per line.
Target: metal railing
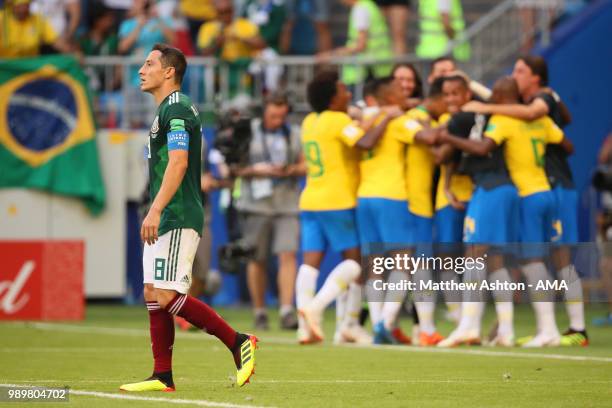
500	36
208	81
496	39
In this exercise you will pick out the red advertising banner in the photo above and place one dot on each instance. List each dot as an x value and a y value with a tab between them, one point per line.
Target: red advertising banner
42	280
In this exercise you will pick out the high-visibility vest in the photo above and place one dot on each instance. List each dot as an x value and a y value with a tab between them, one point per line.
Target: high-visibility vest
378	46
433	40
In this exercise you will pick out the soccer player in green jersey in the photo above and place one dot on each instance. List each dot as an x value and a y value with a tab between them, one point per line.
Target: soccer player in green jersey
171	229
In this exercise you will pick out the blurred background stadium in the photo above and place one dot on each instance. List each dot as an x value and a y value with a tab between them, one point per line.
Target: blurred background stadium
570	34
73	127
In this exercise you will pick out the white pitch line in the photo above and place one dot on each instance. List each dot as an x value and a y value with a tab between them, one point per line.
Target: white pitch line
30	383
200	403
67	349
281	340
484	353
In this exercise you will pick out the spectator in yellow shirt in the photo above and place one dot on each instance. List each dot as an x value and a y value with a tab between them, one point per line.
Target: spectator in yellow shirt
197	12
24	34
229	38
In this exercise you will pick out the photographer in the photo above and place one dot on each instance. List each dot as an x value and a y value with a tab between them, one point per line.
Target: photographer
268	204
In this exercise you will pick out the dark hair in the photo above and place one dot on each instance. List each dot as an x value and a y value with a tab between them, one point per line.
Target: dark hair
276	98
172	57
322	89
98	10
381	84
418	82
457	78
538	67
435	90
441	59
369	89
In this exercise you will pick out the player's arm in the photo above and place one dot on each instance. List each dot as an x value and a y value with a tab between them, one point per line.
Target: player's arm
535	110
567	145
442	153
354	135
410	130
374	133
556	136
452	199
427	135
178	153
475	147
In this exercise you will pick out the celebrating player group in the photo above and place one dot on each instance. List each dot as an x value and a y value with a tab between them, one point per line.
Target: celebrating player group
464	165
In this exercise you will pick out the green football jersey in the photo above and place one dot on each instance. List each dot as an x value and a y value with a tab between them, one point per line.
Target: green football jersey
177	126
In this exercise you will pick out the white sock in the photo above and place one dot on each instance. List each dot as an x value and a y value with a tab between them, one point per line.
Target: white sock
341	308
471	316
338	280
394	299
375	302
543	307
425	311
305	288
424	302
503	303
451	297
505	316
477	276
573	297
305	285
353	304
473	305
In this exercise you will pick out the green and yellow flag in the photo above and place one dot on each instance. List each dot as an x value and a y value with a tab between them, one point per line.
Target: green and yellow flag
47	129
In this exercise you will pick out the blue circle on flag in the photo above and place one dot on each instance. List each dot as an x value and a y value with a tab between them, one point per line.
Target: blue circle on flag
42	114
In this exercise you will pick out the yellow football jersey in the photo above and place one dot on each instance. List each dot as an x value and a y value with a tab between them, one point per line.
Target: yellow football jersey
333	164
420	164
525	149
460	184
382	168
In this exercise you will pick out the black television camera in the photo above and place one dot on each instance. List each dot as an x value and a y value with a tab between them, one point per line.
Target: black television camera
233	141
234	137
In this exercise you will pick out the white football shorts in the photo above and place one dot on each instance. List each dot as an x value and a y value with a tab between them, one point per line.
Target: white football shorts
167	263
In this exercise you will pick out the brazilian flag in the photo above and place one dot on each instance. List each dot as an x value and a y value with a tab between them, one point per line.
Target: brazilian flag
47	129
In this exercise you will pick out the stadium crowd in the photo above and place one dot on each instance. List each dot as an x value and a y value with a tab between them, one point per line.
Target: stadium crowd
236	31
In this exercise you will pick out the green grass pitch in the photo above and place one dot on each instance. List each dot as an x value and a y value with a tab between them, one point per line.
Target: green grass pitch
112	347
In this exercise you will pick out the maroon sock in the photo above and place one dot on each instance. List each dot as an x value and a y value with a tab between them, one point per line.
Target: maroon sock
162	337
203	317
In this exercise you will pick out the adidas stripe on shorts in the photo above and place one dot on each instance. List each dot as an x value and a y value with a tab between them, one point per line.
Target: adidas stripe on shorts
167	263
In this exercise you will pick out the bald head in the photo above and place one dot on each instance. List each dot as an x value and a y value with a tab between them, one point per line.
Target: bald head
505	90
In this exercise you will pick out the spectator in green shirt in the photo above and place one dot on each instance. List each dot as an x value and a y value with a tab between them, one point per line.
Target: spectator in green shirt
269	16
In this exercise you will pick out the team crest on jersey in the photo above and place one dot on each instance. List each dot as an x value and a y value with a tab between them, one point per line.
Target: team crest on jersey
155	127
